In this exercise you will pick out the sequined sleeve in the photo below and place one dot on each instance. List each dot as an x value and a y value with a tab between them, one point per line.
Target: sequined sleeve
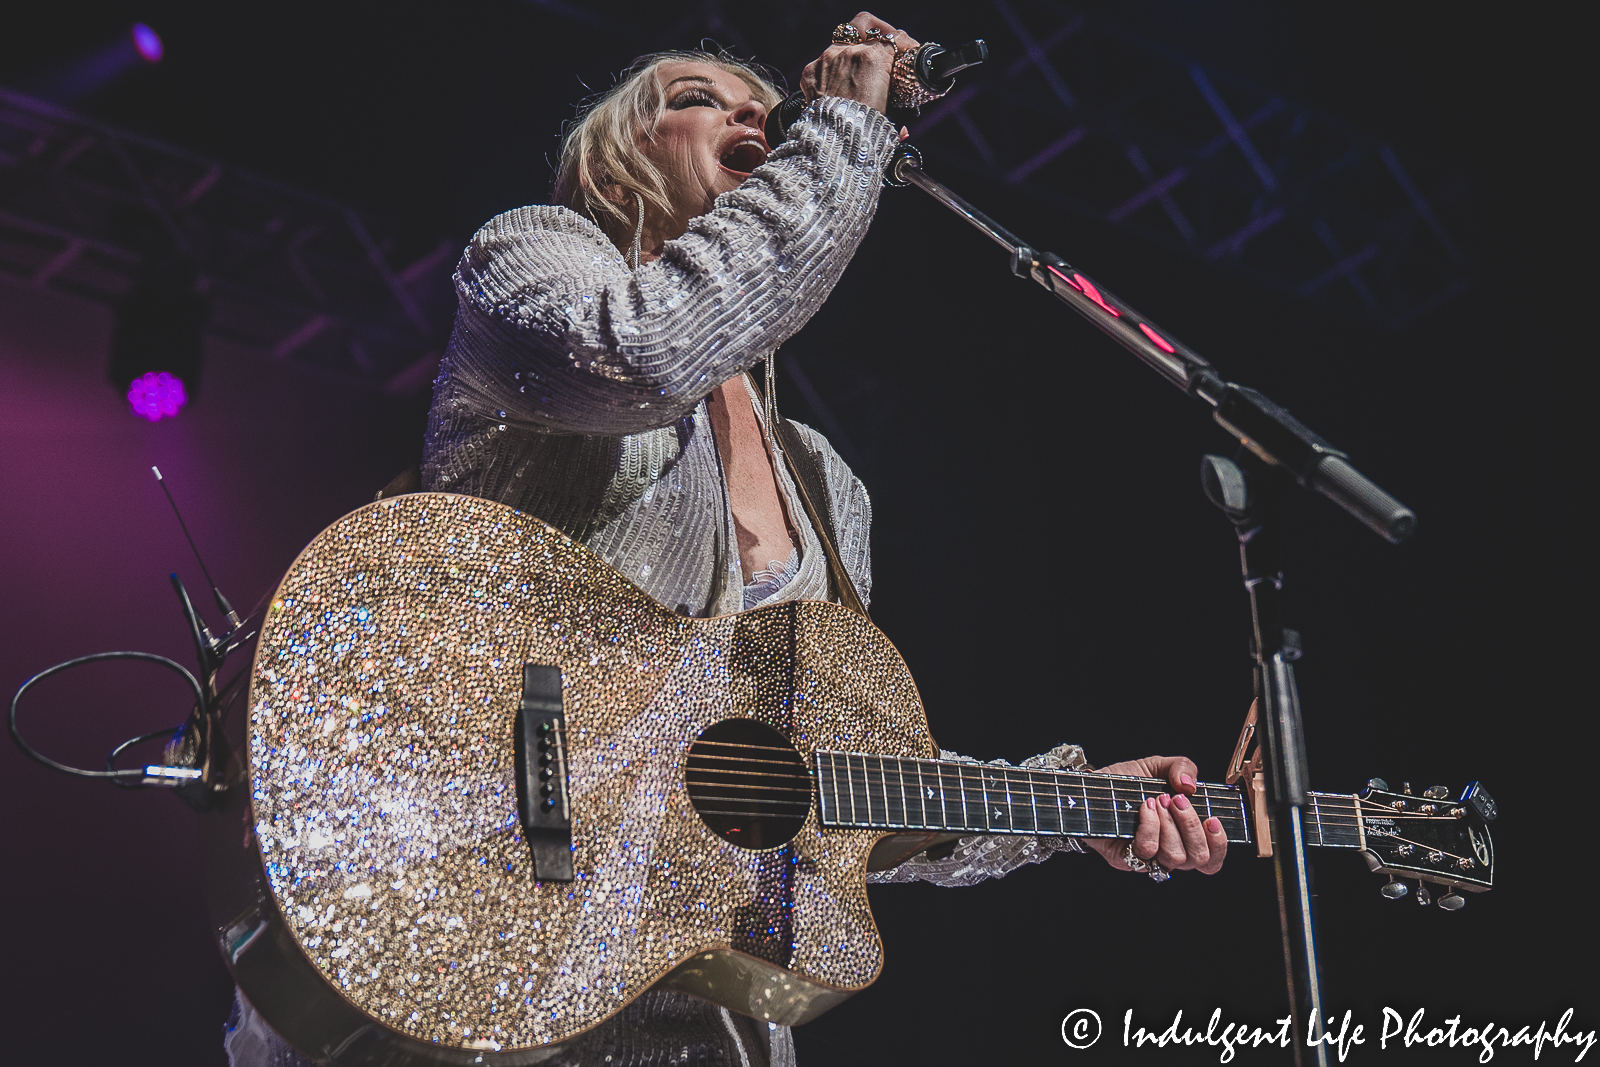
556	333
985	856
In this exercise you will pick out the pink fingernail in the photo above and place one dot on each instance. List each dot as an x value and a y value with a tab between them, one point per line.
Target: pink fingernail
1166	801
1186	780
1182	802
1214	825
1150	802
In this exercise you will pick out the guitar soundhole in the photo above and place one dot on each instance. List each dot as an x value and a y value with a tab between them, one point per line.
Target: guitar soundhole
748	783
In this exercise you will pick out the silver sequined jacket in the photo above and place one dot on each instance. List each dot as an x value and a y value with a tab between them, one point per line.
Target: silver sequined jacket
574	389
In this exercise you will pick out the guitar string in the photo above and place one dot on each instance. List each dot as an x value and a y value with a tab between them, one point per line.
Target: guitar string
940	769
1101	832
1337	823
1337	808
735	744
1336	804
906	791
754	810
1205	790
696	753
1227	818
1099	782
746	800
941	765
750	774
728	783
864	796
1100	788
880	788
1330	804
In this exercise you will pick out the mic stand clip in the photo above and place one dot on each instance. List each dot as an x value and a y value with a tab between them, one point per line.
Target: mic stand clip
188	761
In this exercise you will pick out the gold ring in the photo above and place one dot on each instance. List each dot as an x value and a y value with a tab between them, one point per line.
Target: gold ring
844	33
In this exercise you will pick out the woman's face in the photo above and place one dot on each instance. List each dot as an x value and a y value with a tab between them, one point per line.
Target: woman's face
709	138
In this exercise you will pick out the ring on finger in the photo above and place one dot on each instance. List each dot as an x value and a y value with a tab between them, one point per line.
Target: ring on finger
1156	872
845	33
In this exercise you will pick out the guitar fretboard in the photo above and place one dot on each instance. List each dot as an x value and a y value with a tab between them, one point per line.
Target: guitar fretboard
892	793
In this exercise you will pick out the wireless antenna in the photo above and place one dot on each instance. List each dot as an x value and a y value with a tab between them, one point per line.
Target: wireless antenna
222	601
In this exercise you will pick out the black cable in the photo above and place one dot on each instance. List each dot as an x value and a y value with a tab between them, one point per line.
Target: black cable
129	743
150	657
167	731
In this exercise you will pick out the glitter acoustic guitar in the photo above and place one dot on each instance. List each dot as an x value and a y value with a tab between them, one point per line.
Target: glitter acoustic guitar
483	792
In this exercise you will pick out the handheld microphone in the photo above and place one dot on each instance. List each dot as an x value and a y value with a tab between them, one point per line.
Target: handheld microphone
932	68
937	66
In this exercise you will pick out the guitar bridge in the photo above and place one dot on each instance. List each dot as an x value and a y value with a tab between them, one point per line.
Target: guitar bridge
541	755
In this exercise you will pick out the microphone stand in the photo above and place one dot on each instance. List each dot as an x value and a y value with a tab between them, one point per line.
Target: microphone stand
1277	449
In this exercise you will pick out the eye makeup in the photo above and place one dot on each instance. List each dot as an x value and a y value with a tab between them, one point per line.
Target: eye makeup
695	97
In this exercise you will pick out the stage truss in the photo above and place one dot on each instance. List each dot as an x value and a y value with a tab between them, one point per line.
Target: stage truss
289	273
1070	113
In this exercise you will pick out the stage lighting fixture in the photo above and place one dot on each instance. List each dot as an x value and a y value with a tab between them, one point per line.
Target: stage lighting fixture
156	341
89	72
157	396
147	42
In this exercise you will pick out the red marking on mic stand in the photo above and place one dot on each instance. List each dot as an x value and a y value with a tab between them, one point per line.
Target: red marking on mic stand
1086	287
1157	340
1066	279
1094	294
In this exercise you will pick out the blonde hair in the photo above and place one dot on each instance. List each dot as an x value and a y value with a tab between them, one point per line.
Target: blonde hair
601	147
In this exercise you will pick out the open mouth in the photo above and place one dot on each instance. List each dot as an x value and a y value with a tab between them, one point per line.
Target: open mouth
744	156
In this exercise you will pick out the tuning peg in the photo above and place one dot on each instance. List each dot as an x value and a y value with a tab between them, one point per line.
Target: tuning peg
1405	787
1423	896
1378	784
1394	890
1452	902
1436	792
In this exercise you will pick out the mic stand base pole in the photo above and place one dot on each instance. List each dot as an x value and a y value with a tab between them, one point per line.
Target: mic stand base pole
1301	964
1252	503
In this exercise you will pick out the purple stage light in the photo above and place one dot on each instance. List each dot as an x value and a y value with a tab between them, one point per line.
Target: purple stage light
148	42
157	396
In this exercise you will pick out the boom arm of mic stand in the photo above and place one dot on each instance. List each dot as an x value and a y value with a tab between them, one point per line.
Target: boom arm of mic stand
1262	426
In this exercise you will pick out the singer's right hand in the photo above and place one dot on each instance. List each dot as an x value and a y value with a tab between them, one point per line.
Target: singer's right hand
856	71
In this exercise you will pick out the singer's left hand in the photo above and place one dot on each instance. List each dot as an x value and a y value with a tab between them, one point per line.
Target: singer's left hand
1170	831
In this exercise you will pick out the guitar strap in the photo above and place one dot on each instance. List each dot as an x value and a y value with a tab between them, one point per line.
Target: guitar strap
407	481
809	471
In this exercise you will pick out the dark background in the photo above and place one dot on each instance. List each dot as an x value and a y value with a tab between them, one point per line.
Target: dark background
1043	555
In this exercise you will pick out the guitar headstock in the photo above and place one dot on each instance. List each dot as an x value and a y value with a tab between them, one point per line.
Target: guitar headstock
1430	837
